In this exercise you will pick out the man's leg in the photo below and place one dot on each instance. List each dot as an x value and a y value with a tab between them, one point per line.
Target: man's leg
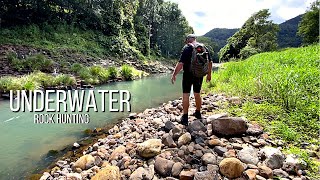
197	98
197	83
185	102
186	88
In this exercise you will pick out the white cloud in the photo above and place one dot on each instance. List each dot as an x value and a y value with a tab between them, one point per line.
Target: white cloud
233	13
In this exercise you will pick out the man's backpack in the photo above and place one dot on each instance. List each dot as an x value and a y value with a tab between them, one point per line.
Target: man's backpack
199	60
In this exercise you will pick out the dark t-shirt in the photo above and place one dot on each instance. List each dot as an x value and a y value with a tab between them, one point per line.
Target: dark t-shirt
186	56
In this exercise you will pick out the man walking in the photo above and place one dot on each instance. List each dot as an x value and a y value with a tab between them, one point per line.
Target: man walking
190	75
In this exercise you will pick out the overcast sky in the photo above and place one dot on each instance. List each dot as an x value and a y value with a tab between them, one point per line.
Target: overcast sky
204	15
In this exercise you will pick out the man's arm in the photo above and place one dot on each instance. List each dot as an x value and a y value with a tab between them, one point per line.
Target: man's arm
178	68
209	71
209	66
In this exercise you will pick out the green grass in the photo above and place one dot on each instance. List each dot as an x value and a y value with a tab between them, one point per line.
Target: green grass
54	38
287	82
126	72
34	81
287	79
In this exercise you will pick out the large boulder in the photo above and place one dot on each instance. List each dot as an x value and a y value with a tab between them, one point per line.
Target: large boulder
163	166
108	173
84	162
229	125
149	148
249	156
231	167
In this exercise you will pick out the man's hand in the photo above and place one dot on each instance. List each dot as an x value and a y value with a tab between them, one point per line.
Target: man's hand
209	77
173	78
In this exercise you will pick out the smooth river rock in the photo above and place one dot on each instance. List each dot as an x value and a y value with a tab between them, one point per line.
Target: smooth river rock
108	173
231	167
229	126
84	162
249	156
163	166
149	148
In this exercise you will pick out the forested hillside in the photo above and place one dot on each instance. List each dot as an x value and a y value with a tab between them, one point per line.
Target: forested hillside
137	28
220	35
287	36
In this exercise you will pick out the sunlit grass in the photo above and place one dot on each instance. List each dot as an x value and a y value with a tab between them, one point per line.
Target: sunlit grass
287	79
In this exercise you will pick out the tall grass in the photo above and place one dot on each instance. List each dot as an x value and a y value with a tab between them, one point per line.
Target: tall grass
34	81
288	79
126	72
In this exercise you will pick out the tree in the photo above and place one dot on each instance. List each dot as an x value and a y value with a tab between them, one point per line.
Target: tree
309	25
258	34
210	45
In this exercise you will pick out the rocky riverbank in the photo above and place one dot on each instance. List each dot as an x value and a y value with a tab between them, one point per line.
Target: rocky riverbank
153	145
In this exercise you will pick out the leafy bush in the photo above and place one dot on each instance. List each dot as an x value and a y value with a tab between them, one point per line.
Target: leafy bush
113	72
39	62
64	79
100	73
126	72
45	80
76	67
247	52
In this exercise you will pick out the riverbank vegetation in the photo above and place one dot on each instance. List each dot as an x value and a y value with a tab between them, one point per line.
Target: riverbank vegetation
281	90
94	75
126	29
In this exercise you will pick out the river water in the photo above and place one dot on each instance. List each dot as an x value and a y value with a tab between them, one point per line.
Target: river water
23	143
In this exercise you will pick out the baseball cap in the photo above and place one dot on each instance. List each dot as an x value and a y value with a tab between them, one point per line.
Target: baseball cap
191	36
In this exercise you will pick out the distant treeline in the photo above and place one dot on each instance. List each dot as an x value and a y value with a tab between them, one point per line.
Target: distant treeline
151	27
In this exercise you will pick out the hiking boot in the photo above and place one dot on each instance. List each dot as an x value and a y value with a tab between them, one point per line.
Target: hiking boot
197	114
184	119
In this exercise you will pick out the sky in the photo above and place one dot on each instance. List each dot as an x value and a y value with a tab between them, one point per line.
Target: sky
204	15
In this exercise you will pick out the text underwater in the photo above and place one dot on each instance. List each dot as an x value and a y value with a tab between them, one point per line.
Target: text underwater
72	103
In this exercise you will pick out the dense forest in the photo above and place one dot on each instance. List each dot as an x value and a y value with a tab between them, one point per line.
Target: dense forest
138	28
287	36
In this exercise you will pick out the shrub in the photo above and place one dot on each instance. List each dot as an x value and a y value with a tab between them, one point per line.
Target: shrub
85	73
39	62
76	68
100	73
247	52
113	72
46	80
64	79
126	72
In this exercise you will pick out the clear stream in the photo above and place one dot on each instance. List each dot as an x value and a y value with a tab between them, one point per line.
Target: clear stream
23	143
